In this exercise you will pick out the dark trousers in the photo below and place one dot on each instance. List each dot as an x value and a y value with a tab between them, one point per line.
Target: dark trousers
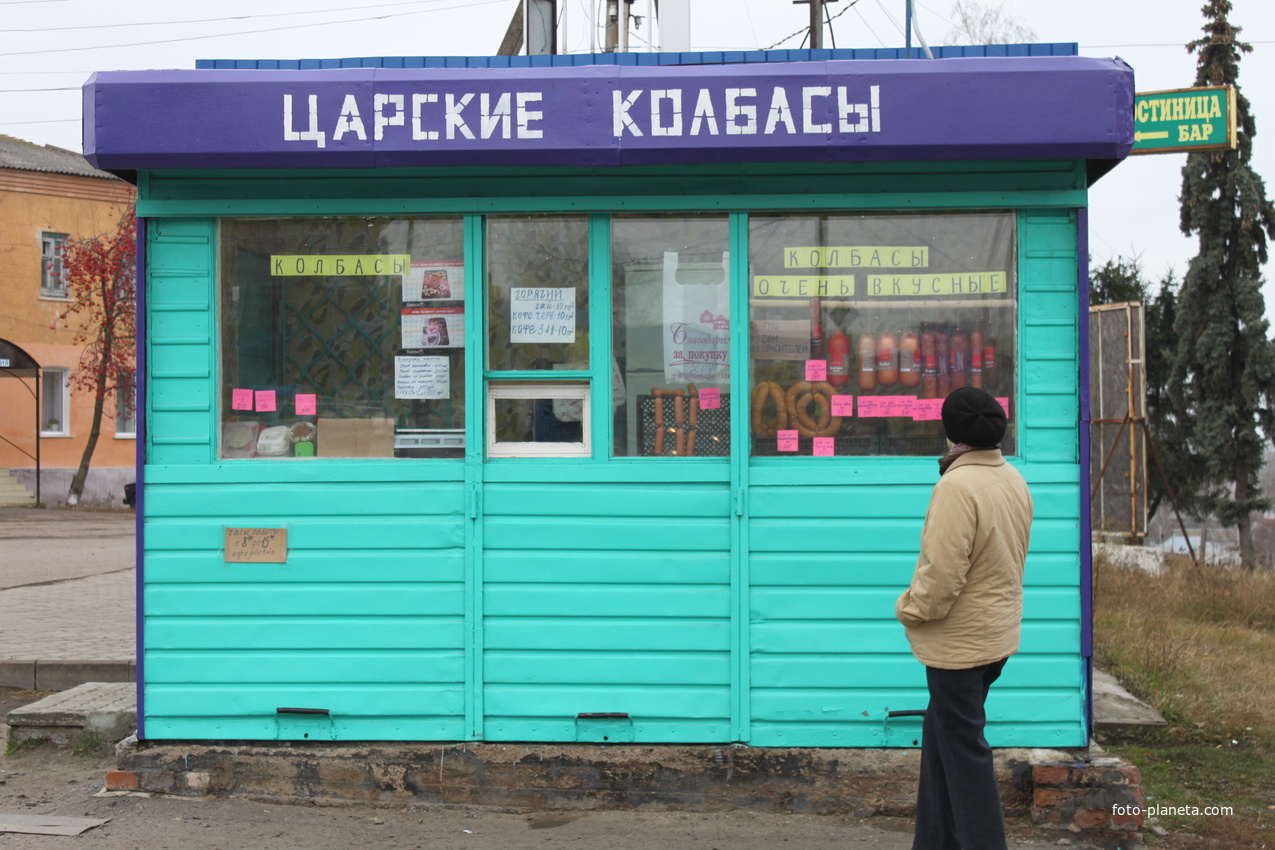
958	803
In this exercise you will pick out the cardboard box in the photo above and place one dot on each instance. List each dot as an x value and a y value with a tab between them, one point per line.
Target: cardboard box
355	438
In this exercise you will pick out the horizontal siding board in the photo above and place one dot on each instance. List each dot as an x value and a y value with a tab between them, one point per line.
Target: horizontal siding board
831	604
303	666
308	533
818	670
768	569
616	567
320	567
839	501
609	500
610	668
868	734
328	499
226	474
636	634
886	637
161	727
605	533
606	601
318	600
691	702
800	705
361	700
339	633
644	731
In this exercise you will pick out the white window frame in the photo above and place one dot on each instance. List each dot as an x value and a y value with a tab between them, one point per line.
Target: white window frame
130	433
52	278
573	390
64	425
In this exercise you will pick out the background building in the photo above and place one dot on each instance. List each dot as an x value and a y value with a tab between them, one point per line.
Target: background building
47	196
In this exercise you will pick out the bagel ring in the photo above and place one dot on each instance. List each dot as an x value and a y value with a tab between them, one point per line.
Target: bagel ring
763	391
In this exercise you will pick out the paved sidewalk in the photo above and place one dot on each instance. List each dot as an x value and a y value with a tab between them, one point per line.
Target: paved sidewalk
67	597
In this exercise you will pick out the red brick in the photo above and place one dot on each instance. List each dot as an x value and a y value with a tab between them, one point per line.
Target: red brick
121	780
1049	797
1051	774
1092	818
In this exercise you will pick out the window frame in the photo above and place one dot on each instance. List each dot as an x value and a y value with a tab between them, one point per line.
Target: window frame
52	277
64	401
538	390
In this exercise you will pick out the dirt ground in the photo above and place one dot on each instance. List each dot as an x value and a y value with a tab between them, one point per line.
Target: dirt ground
45	780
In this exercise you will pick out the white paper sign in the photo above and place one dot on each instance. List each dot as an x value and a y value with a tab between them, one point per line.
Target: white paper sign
538	314
696	326
422	377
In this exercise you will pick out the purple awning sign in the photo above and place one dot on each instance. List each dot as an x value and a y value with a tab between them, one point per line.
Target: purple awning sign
825	111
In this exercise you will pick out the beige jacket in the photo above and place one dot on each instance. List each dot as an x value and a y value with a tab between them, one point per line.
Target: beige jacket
965	603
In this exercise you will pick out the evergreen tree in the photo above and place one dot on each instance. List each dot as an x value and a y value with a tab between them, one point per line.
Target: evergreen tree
1224	366
1117	281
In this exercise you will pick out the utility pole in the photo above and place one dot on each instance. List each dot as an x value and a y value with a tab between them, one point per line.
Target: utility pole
816	20
613	26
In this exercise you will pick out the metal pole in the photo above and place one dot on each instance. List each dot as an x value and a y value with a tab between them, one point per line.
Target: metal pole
816	24
526	42
907	27
38	440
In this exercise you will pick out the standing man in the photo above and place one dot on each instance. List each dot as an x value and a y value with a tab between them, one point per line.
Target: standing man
962	613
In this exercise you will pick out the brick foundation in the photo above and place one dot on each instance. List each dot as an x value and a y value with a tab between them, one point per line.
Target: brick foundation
1103	795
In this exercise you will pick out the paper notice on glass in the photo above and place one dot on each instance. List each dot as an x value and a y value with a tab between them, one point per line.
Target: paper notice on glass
433	327
539	314
422	377
696	324
440	281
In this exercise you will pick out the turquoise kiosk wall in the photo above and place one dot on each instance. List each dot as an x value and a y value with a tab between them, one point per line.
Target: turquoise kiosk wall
611	595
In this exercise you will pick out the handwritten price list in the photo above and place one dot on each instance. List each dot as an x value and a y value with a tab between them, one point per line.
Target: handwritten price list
537	314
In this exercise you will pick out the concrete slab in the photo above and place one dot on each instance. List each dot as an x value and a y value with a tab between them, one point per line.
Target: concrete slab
91	712
1118	714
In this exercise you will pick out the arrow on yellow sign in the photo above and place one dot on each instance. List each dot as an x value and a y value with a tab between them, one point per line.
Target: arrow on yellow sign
1141	136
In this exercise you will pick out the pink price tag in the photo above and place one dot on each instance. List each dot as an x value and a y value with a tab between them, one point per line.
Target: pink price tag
265	400
816	370
1004	403
787	441
305	404
241	399
886	405
710	399
926	409
823	446
843	405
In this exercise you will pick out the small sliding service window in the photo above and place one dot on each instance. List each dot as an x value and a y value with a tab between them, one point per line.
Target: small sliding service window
536	419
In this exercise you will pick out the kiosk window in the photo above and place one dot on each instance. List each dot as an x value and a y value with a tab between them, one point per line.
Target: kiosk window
860	325
342	337
670	284
537	293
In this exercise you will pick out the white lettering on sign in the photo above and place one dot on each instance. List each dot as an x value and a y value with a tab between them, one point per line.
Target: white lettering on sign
640	113
741	112
508	115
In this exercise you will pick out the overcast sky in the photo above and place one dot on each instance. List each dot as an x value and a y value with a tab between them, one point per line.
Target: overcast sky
49	47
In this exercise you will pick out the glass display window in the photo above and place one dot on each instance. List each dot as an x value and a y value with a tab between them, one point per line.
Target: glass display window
342	337
670	291
860	326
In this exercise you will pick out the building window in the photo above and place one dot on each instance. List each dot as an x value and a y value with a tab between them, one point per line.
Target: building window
52	283
55	400
342	337
862	324
126	412
670	283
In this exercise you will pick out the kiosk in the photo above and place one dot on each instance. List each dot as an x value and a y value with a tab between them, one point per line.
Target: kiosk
597	399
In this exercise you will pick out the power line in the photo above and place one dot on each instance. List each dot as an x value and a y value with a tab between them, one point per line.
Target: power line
253	32
806	29
215	20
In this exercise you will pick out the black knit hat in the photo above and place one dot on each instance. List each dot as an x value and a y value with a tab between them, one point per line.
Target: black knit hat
973	417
